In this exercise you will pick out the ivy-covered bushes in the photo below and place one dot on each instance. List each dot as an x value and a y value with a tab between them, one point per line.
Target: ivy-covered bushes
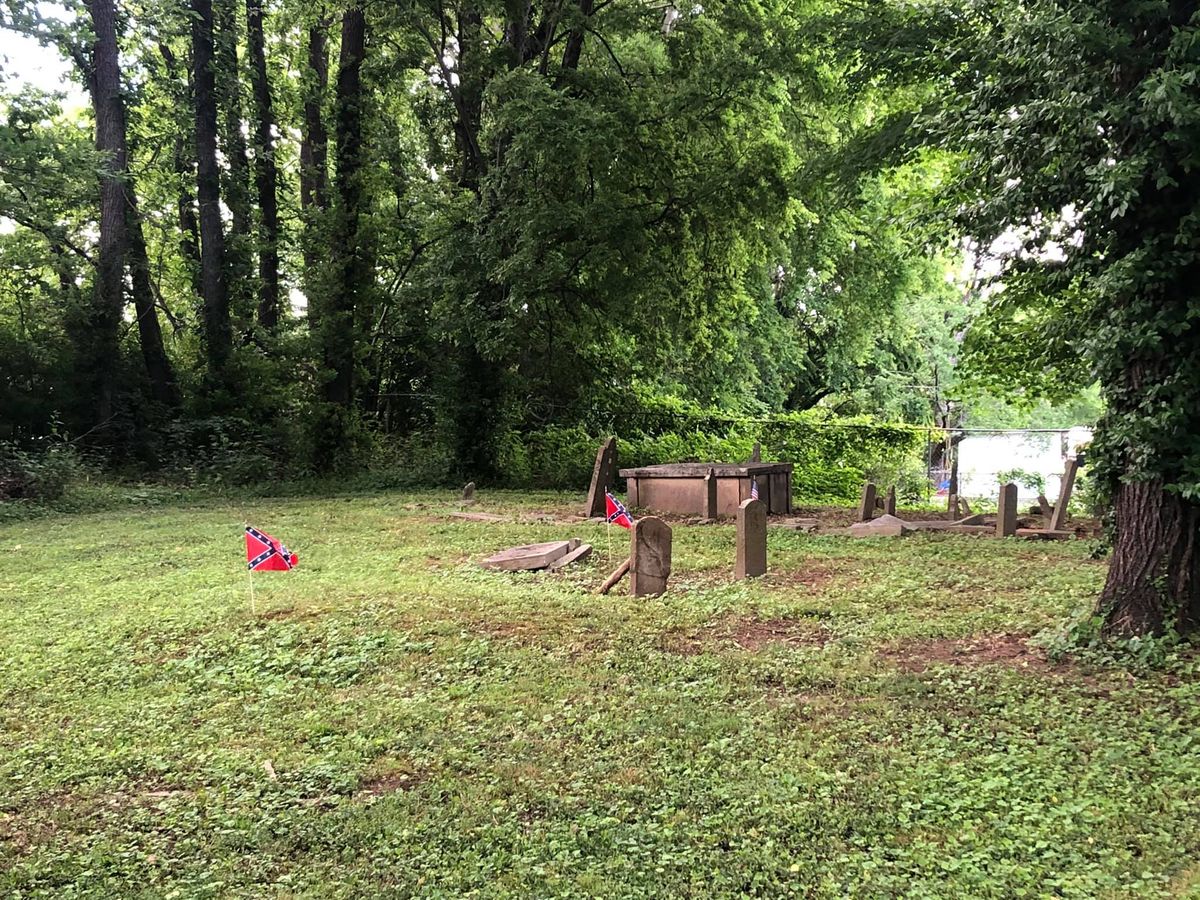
36	475
832	456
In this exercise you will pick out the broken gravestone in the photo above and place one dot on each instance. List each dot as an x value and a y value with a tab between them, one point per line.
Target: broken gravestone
889	505
604	476
884	526
650	557
751	540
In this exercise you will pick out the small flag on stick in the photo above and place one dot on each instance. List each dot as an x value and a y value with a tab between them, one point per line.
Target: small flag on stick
753	488
265	554
617	513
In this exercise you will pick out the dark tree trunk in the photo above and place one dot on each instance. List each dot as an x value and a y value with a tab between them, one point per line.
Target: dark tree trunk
236	183
338	316
100	351
184	166
218	338
574	47
314	156
158	365
1154	578
265	174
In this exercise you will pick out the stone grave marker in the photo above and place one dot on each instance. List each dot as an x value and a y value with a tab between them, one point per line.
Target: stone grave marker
751	540
889	506
866	508
710	495
468	494
1006	520
650	557
604	477
884	526
1059	518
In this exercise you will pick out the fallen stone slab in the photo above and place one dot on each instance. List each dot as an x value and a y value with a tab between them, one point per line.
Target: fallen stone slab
528	557
1045	534
583	551
478	517
805	525
884	526
976	519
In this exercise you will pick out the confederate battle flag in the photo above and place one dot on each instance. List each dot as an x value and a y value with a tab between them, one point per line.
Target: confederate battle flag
617	513
265	554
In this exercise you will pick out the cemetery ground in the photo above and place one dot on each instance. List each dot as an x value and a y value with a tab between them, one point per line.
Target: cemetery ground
870	719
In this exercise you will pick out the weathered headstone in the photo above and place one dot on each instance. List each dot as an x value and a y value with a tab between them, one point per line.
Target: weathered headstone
1044	507
866	507
650	557
468	494
884	526
751	540
1006	520
604	476
889	506
1064	496
756	453
710	495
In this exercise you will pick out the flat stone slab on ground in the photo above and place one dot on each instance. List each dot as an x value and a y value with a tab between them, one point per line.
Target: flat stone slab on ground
530	556
478	517
808	525
1045	534
884	526
583	551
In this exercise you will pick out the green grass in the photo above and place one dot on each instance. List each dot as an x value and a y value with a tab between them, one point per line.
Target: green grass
839	728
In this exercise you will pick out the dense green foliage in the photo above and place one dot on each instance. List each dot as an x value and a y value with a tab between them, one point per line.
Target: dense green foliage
395	720
560	206
1078	136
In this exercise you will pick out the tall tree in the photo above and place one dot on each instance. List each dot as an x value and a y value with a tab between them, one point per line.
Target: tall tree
218	338
99	357
314	149
1081	123
336	313
265	172
235	180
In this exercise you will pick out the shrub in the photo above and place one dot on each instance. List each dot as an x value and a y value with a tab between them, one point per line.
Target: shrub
38	475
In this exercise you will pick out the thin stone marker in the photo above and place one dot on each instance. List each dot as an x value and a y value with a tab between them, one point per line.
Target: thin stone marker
751	540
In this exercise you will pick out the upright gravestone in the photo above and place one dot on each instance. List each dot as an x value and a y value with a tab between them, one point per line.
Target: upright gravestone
866	507
649	557
468	494
751	540
756	453
710	495
604	476
1006	520
889	506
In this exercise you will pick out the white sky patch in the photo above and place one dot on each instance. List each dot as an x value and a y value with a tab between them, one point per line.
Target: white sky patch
26	63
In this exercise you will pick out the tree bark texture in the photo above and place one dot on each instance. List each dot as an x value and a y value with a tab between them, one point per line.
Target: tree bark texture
265	172
100	351
218	337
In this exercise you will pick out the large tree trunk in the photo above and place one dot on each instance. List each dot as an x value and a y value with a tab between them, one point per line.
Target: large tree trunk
100	351
158	365
1154	578
265	174
182	165
239	244
314	159
218	339
338	318
335	322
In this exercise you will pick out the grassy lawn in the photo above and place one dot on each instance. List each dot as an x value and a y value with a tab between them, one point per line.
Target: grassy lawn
395	721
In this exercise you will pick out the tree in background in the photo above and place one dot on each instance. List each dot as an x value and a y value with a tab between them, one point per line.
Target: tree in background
1079	126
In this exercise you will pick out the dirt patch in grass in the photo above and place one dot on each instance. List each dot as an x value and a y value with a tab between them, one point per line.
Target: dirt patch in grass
743	633
814	576
390	783
981	650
